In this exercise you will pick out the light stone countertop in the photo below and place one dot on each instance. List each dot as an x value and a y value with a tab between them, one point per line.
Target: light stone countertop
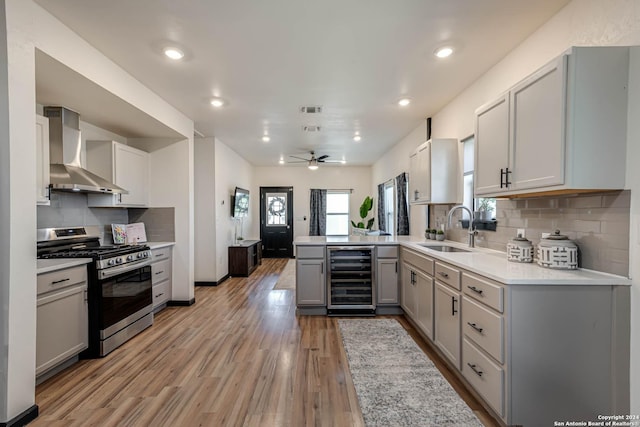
158	245
49	265
485	262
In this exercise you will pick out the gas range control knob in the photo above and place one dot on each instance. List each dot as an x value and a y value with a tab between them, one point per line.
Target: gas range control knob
119	261
140	255
111	262
146	254
130	258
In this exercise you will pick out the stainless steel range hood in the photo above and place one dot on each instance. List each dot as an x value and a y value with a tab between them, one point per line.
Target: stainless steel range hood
64	154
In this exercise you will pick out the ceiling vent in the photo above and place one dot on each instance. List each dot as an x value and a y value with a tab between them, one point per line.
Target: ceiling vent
311	128
312	109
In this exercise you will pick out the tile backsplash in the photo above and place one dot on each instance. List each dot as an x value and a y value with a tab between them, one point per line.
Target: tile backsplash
159	223
597	222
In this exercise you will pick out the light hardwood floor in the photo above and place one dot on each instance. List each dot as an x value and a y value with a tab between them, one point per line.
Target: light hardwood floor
238	357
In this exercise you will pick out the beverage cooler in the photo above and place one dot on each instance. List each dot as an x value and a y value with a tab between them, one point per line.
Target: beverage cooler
351	280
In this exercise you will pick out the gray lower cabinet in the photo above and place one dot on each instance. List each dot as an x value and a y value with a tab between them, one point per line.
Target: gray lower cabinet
310	276
387	275
161	276
417	290
62	317
447	319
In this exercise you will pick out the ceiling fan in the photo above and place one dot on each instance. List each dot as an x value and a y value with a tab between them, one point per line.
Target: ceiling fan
313	161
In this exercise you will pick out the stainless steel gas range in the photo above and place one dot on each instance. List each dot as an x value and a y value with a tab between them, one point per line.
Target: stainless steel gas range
119	294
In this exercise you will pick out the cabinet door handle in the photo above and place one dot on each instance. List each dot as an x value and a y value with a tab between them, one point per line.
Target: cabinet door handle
159	272
473	368
159	255
55	282
396	267
86	296
501	178
443	274
474	326
159	295
322	268
476	290
49	192
453	306
506	177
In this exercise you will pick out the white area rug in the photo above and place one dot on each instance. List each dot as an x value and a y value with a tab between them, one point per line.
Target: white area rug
397	384
287	279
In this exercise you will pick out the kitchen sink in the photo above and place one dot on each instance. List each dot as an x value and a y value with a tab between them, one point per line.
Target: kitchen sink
443	248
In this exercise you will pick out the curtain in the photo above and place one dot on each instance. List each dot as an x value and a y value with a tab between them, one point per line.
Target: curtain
402	227
318	212
382	220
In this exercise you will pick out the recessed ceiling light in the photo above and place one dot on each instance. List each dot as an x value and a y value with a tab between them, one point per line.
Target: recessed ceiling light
443	52
266	138
404	102
281	161
174	53
217	102
357	138
343	161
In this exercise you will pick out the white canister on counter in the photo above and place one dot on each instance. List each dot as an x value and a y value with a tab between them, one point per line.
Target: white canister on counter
520	249
558	251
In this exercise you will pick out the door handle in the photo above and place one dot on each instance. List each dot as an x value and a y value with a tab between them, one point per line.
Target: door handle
453	306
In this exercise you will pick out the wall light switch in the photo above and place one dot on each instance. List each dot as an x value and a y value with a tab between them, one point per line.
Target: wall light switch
521	232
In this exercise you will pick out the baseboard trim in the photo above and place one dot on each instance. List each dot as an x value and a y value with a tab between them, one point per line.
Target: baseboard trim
205	283
179	303
23	419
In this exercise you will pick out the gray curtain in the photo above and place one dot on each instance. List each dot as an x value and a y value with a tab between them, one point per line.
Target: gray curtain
402	227
318	212
382	220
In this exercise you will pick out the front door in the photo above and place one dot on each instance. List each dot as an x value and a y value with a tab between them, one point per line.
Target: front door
276	222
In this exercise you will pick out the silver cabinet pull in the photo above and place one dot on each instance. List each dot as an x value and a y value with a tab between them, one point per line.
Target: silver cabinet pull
473	368
474	326
443	274
476	290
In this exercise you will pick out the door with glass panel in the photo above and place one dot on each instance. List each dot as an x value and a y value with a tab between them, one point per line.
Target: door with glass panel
276	221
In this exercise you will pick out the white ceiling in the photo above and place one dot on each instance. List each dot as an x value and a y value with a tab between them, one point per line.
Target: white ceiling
267	58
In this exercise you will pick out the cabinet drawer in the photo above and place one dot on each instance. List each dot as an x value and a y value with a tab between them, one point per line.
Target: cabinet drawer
161	293
387	251
484	375
61	279
160	271
422	262
309	251
448	275
160	253
483	327
483	290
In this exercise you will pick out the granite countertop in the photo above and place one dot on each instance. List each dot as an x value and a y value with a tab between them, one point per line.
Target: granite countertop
49	265
486	262
158	245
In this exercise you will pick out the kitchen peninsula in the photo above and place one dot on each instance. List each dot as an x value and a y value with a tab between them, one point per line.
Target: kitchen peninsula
521	337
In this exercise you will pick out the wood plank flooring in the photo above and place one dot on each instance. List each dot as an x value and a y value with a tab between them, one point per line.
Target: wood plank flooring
238	357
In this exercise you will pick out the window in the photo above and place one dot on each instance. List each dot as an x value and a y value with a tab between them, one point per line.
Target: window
467	194
389	203
481	203
337	213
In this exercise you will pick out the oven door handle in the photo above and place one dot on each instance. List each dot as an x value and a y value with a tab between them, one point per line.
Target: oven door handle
114	271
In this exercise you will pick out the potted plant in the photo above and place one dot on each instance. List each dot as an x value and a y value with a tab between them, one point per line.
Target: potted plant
426	233
484	208
365	208
432	234
440	235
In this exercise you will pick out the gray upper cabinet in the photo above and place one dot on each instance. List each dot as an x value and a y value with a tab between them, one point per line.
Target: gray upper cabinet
433	172
551	131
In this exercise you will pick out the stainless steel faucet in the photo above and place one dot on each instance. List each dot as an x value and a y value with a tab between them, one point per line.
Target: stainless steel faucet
472	231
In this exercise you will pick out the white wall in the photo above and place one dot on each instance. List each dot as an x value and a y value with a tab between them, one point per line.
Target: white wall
205	214
231	171
302	180
29	27
393	163
171	182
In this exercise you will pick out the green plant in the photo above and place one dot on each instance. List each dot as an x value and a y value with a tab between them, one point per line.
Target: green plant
440	232
485	204
365	208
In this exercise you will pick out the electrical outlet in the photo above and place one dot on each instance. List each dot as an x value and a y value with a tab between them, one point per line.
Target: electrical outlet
521	232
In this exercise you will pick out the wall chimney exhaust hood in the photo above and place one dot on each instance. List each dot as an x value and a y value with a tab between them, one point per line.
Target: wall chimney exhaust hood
64	155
